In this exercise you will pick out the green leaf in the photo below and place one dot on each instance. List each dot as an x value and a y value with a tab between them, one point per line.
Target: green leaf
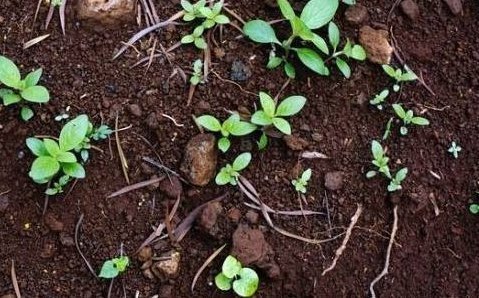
300	29
290	106
73	133
399	111
371	174
217	7
224	144
222	282
286	9
274	62
221	19
242	128
408	76
389	70
44	168
188	17
247	284
317	13
37	147
343	67
474	208
242	161
392	187
33	78
223	177
209	122
401	175
403	130
200	43
260	118
320	43
108	270
10	97
26	113
263	141
420	121
267	103
231	266
377	150
333	34
260	31
121	263
198	31
67	157
187	6
358	53
206	12
52	147
306	175
312	60
187	39
282	125
37	94
289	70
9	73
74	169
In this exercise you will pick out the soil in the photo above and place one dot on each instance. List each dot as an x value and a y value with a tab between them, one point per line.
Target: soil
435	255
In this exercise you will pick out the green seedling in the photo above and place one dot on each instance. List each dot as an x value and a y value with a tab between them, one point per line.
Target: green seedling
399	76
18	89
231	126
209	16
114	267
387	131
379	99
263	141
230	173
244	281
197	75
408	118
454	149
273	115
474	208
380	161
301	183
395	183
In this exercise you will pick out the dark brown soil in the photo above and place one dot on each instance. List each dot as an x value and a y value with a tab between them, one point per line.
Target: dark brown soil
437	256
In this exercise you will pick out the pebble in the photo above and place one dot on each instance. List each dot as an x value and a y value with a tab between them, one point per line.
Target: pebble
200	159
410	9
356	14
135	110
376	44
110	13
455	6
234	214
209	215
145	254
169	268
334	180
240	71
295	143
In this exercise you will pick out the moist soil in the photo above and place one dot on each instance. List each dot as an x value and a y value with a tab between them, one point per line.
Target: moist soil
436	251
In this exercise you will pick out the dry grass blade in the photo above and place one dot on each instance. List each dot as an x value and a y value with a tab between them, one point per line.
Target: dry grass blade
166	169
36	13
349	231
136	186
77	245
61	11
15	281
34	41
388	253
49	16
151	238
191	93
123	162
313	154
205	264
281	212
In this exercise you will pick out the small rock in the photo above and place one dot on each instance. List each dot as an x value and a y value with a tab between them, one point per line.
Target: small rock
239	71
199	162
234	214
252	216
356	14
171	187
167	269
410	9
219	53
48	250
333	180
145	254
295	143
99	13
376	44
135	110
52	223
455	6
209	215
66	240
152	121
4	202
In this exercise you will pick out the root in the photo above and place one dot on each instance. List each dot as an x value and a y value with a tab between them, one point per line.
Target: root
349	231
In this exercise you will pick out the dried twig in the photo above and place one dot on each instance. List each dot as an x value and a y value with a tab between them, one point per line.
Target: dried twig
61	11
349	231
205	264
15	281
34	41
388	254
135	186
123	162
77	231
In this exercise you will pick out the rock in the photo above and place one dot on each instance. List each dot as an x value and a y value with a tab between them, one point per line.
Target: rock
356	14
145	254
252	216
171	187
410	9
234	214
295	143
209	215
109	13
199	162
4	202
455	6
376	44
48	250
152	121
169	268
333	180
66	240
52	223
135	110
240	71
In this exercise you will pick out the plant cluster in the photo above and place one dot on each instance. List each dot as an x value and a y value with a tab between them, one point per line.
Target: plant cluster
301	183
114	267
243	280
197	76
408	118
229	174
399	75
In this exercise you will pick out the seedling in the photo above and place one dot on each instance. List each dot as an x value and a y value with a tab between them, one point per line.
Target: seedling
243	280
399	76
379	99
231	126
197	75
64	115
114	267
395	183
18	89
273	115
230	173
380	161
263	141
454	149
387	131
408	118
301	183
474	208
210	16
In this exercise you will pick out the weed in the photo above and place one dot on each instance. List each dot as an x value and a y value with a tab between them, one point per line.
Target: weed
112	268
399	76
454	149
301	183
395	183
474	208
387	131
197	75
230	173
408	118
379	99
244	281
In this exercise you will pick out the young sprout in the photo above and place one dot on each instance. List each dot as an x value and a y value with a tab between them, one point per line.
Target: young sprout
454	149
230	173
263	141
395	183
399	76
197	75
379	99
273	115
380	161
387	131
232	126
474	208
64	115
112	268
301	183
244	281
408	118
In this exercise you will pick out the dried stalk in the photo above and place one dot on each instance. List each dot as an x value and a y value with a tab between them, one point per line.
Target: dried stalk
205	264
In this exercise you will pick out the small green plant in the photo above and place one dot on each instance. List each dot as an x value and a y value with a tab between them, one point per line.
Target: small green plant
379	99
301	183
474	208
273	115
197	75
209	16
114	267
399	76
408	118
387	131
395	183
230	173
18	89
231	126
454	149
243	280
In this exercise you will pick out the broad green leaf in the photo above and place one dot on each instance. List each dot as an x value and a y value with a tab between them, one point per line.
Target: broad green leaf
209	122
474	208
208	23
320	43
37	147
9	73
408	76
242	128
198	31
223	177
282	125
242	161
188	17
10	98
291	106
312	60
358	53
221	19
247	284
26	113
349	2
200	43
224	144
300	29
229	123
343	67
44	168
121	263
33	78
333	35
263	141
306	175
66	157
187	39
36	94
222	282
74	170
260	31
206	12
286	9
231	266
267	103
73	133
392	187
377	150
187	6
274	62
317	13
289	70
401	174
403	130
52	147
108	270
389	70
420	121
51	191
260	118
399	111
217	7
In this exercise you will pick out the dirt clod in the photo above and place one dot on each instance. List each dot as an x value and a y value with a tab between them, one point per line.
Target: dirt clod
240	71
48	250
168	268
356	14
410	8
234	214
199	162
295	143
455	6
135	110
145	254
252	216
171	187
333	180
52	223
66	240
209	215
376	44
98	13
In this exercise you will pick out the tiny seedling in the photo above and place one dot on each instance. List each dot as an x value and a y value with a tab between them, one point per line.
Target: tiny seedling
263	141
64	115
273	115
231	126
395	183
474	208
387	131
114	267
380	161
454	149
230	173
243	280
18	89
379	99
408	118
197	75
399	76
301	183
